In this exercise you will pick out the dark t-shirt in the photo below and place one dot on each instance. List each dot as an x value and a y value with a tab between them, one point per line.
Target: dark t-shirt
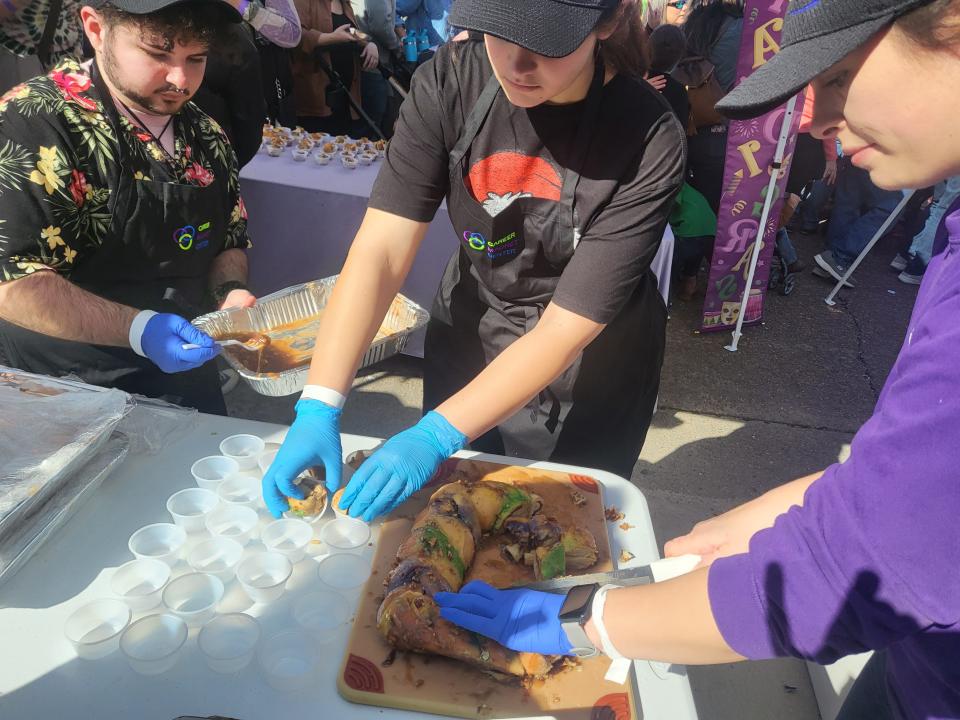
633	169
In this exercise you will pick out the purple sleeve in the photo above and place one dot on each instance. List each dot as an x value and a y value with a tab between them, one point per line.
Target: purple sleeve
871	557
278	22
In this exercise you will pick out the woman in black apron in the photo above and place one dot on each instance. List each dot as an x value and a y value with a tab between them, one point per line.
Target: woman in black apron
546	338
134	267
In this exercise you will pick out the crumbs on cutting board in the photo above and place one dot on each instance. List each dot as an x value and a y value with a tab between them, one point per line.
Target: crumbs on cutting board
613	514
626	556
626	526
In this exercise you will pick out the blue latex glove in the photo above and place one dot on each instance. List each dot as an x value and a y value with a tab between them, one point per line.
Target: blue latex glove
401	466
313	439
522	620
163	338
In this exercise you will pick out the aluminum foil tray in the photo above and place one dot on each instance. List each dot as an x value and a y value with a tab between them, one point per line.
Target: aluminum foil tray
296	303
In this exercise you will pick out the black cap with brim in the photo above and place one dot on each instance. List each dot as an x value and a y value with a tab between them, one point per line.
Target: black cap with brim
817	35
147	7
552	28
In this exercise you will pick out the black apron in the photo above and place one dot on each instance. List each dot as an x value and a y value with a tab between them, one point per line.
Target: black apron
156	255
495	289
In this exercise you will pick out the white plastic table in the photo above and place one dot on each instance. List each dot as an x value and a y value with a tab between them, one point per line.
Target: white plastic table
42	678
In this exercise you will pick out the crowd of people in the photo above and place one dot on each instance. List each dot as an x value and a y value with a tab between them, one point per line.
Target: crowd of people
563	135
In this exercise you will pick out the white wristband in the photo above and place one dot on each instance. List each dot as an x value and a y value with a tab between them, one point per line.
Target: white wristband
620	667
323	394
137	327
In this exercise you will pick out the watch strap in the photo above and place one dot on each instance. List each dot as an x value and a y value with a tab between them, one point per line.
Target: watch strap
573	620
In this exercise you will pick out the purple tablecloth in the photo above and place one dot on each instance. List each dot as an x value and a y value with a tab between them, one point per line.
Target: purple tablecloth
303	218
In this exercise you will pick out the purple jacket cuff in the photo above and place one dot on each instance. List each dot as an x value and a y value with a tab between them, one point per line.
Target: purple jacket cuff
737	608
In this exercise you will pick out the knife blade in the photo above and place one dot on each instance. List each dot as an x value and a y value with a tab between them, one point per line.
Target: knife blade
656	571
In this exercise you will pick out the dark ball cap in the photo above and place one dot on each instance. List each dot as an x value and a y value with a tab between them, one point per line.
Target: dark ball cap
552	28
817	34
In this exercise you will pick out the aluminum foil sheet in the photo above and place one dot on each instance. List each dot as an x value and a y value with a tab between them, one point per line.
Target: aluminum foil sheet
297	303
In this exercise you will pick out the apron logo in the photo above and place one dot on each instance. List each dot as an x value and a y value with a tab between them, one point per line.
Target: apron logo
189	237
184	237
475	240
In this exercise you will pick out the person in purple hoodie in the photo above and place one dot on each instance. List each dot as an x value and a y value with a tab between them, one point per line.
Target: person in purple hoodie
866	554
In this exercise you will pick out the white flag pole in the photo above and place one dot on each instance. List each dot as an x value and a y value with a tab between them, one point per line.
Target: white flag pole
775	168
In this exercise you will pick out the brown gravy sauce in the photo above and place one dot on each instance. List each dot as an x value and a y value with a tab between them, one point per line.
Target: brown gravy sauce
290	346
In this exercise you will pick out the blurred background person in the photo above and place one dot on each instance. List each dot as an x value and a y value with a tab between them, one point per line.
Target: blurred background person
329	37
713	32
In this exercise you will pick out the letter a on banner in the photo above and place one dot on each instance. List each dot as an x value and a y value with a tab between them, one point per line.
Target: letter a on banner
751	150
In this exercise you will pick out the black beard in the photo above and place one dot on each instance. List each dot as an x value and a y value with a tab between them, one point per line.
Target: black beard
110	69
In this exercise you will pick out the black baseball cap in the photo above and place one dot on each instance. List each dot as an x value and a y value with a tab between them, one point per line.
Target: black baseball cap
147	7
817	34
552	28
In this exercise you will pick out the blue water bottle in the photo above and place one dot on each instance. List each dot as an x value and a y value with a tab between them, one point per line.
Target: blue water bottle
423	40
410	52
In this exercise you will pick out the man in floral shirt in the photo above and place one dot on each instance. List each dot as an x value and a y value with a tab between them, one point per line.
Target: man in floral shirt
120	211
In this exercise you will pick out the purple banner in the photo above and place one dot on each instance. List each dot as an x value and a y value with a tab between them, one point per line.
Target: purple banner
751	148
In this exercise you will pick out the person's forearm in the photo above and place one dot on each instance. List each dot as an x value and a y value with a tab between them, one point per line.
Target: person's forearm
520	372
377	265
48	304
228	266
668	622
730	533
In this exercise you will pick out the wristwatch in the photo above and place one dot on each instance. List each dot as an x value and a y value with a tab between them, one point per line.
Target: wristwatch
574	614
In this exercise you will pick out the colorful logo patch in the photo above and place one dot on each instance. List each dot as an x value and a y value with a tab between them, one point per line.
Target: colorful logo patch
475	240
192	238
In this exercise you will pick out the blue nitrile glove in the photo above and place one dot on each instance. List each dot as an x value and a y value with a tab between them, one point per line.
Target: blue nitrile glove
401	466
313	439
520	619
160	338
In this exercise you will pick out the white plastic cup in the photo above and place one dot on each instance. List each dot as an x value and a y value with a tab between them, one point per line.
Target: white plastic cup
345	533
321	613
289	661
193	597
344	572
140	583
217	556
189	508
245	449
266	460
264	576
229	642
152	645
288	537
242	491
210	471
160	541
335	503
234	522
94	630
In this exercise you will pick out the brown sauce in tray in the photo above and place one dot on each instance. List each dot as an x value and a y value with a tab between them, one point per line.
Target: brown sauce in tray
290	347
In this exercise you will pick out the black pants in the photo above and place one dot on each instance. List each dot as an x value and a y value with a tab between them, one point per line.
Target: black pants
688	255
106	366
707	154
869	698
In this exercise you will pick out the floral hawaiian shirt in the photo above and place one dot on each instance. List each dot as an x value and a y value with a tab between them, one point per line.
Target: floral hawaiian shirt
58	156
